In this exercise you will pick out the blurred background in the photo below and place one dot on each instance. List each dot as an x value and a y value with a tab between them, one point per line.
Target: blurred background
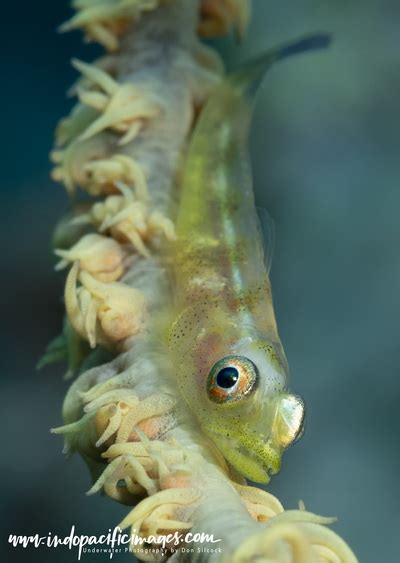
326	156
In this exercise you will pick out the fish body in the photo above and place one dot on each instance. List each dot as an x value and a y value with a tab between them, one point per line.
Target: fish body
225	349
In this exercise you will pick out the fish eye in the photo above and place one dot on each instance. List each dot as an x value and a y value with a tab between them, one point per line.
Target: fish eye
232	378
227	377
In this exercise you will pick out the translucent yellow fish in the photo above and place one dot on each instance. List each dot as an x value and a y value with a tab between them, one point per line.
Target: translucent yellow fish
226	353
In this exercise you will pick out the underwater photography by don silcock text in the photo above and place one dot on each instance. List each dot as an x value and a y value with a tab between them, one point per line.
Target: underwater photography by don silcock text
199	194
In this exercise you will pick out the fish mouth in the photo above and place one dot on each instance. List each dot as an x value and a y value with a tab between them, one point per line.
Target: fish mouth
252	457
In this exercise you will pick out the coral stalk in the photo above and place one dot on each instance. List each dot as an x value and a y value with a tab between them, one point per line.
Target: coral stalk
125	142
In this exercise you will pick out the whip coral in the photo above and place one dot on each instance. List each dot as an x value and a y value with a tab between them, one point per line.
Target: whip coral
125	142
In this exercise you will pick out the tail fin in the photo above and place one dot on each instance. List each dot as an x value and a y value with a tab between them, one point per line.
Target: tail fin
249	76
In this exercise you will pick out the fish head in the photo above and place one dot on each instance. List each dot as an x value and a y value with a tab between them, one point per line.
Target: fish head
249	414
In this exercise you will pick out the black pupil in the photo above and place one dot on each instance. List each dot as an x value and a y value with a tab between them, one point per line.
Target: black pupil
227	377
